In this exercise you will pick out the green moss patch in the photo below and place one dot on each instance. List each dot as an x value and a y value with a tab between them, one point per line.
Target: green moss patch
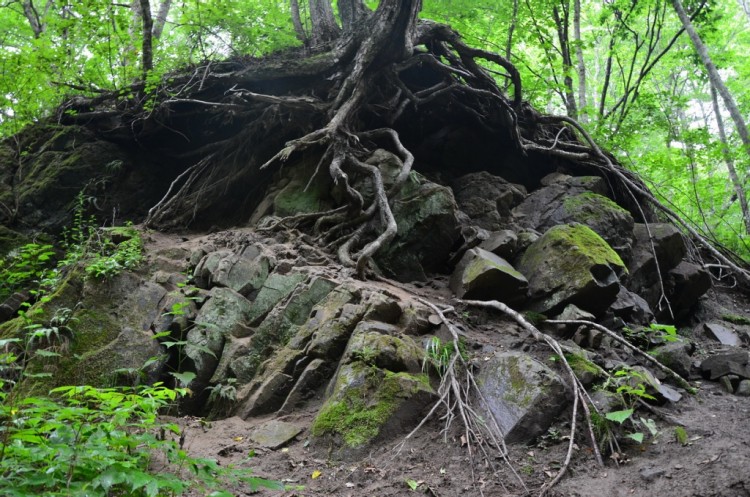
364	400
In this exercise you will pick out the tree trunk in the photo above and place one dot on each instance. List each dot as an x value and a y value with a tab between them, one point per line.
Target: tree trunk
582	100
745	6
324	27
713	76
563	26
34	17
147	50
161	18
739	190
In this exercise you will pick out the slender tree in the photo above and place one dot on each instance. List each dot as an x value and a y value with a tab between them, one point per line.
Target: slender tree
714	76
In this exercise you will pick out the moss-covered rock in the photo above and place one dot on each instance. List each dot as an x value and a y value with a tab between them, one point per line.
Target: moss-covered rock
110	332
571	264
610	221
369	403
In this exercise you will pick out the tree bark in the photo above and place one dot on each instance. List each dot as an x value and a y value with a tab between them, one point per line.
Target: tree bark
745	5
299	30
324	27
351	11
34	17
147	50
713	75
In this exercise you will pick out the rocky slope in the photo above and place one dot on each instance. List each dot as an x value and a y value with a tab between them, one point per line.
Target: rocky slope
319	371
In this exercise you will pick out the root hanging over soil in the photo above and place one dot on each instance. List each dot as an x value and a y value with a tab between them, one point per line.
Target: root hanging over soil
383	79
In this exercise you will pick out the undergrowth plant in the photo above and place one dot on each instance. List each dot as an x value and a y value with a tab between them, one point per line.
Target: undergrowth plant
106	442
630	387
98	442
28	267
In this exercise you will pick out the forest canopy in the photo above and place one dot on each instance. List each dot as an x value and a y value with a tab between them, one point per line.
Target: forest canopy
626	69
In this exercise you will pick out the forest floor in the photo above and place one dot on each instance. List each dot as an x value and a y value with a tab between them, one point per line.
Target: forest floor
713	462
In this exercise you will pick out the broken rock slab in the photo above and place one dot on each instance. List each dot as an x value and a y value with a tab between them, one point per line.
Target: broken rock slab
483	275
275	434
724	335
522	394
720	365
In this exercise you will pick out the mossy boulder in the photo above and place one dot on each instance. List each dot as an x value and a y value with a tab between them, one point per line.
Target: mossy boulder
110	335
523	395
242	358
571	264
369	404
55	163
568	199
613	223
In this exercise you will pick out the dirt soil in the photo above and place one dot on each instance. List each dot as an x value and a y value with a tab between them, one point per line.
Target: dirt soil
715	461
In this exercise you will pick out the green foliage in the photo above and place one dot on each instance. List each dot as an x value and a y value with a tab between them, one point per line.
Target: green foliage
680	435
104	252
655	334
223	396
103	442
29	266
630	387
439	355
110	259
81	440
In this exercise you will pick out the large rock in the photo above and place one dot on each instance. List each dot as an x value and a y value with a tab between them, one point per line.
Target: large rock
523	395
485	276
275	288
718	365
275	331
631	307
503	243
112	339
368	404
668	250
428	227
566	200
244	273
609	220
685	284
486	199
571	264
225	314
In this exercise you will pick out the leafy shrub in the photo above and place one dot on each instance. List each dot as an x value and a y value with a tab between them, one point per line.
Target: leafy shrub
29	265
103	442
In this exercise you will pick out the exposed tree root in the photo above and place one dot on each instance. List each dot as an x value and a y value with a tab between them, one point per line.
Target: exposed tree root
579	393
456	400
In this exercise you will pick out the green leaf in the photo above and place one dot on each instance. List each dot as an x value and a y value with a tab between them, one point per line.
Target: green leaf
638	437
184	378
619	416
